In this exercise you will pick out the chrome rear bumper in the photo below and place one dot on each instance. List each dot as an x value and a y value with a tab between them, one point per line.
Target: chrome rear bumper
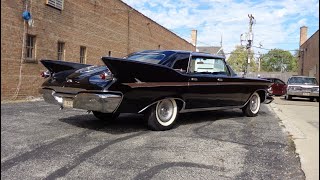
106	102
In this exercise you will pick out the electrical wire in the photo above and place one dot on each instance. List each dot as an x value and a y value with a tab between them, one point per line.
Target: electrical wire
16	93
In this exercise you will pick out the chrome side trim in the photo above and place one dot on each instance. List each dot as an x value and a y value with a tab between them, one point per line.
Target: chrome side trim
184	104
208	109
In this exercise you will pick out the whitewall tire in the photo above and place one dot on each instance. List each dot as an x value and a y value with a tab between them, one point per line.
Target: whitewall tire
253	106
162	115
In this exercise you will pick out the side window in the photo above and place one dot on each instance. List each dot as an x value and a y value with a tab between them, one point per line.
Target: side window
181	62
208	65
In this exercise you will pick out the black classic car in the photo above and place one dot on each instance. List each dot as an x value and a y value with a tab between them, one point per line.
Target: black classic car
159	84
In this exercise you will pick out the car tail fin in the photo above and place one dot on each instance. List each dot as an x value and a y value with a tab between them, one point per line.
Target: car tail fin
55	66
127	70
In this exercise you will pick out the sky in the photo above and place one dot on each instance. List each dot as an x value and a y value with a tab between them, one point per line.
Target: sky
277	22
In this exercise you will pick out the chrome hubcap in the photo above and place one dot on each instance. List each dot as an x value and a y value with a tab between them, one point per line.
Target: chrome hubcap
254	103
165	110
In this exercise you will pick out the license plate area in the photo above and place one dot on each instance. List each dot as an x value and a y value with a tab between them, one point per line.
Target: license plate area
67	102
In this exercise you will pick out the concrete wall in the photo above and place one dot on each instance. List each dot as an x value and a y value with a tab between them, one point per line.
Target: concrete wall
100	25
309	57
283	76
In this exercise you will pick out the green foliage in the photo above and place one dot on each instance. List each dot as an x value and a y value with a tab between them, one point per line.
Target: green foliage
278	60
238	60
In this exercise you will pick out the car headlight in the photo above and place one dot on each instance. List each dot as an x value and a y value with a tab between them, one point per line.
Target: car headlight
315	89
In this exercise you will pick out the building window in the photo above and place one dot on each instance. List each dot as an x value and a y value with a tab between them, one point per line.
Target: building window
55	3
83	53
30	48
60	50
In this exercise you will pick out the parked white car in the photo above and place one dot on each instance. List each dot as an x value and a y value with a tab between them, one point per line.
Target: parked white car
302	86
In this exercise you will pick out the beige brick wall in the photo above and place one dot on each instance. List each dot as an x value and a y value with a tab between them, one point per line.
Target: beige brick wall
101	26
309	57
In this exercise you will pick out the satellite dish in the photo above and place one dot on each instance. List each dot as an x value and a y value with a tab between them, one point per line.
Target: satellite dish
26	15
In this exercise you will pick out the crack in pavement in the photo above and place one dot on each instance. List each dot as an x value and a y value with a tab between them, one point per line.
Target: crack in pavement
84	156
148	174
39	150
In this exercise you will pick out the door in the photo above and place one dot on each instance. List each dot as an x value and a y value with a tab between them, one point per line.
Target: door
210	84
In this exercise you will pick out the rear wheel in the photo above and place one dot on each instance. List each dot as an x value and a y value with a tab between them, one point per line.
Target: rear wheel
252	107
162	115
105	116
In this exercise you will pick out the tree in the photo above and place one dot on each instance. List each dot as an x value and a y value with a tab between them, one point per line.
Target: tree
238	59
278	60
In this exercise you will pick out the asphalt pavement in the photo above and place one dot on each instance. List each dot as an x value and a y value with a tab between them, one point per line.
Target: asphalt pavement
40	142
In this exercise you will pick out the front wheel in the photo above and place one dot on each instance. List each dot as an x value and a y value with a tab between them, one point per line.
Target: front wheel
252	107
162	115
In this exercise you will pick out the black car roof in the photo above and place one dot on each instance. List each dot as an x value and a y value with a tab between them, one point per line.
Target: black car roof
183	51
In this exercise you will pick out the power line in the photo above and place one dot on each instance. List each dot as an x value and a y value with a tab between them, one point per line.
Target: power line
274	48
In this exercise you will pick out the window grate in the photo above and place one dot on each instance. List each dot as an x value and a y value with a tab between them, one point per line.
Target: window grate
30	47
56	3
83	50
60	50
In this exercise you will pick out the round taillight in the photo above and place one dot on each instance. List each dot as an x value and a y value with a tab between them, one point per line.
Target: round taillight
45	74
103	76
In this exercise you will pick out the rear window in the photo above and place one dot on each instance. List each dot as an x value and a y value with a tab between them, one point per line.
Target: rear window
153	58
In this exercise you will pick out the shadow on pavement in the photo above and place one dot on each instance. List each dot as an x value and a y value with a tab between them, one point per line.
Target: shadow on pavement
127	123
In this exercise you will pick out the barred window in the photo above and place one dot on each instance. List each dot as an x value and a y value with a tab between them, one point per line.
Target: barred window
55	3
60	50
83	53
30	47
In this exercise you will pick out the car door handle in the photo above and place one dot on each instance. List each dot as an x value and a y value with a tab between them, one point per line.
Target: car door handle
194	79
219	79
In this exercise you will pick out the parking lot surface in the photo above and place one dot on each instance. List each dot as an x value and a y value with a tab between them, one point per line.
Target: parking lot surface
40	142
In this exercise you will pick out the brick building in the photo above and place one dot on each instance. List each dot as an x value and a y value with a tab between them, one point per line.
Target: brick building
77	31
309	54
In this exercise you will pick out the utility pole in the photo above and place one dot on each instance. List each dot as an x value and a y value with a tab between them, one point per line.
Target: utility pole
259	61
250	40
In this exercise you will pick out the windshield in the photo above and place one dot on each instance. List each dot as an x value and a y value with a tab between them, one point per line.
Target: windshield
302	80
153	58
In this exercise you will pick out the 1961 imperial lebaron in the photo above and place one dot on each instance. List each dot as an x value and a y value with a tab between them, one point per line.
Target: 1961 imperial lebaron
160	84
